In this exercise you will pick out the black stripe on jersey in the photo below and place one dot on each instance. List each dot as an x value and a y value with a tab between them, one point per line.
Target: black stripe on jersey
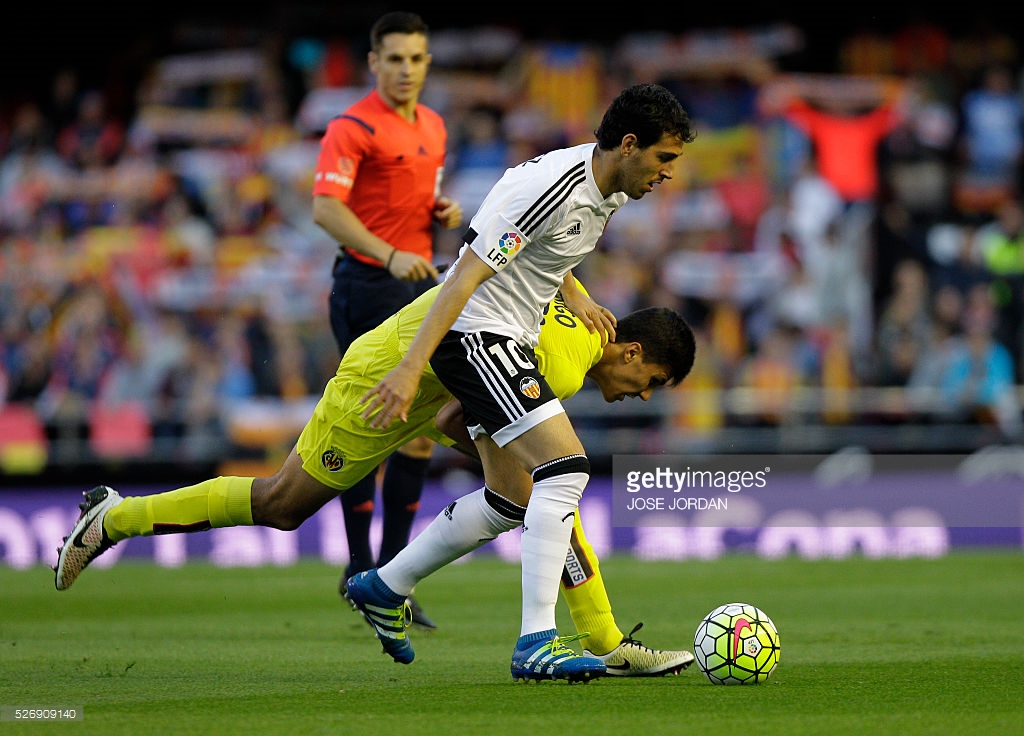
470	236
369	128
491	376
556	194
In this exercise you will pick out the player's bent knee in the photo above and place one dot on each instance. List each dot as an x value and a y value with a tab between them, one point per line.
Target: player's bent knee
563	479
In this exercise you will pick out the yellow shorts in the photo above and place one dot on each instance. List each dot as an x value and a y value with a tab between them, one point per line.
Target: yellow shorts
337	446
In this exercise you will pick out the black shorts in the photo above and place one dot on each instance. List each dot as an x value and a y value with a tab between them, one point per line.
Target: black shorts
364	296
502	391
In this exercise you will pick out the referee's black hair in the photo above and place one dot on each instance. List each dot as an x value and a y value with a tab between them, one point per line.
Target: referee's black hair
396	22
666	337
648	111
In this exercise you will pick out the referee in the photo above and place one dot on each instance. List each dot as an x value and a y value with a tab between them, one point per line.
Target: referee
377	193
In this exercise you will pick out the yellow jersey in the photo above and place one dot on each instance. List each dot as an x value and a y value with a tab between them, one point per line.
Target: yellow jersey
339	448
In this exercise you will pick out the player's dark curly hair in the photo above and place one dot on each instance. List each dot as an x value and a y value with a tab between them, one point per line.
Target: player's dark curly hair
666	337
396	22
647	111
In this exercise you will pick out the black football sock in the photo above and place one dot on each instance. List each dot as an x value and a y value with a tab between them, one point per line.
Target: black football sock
357	505
404	477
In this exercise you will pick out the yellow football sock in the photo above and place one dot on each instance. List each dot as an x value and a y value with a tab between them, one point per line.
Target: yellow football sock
218	502
585	594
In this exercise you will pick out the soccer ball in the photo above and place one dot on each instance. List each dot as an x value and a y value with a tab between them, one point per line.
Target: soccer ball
736	644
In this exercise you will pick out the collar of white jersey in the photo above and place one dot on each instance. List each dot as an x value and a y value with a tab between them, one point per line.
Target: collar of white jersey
615	199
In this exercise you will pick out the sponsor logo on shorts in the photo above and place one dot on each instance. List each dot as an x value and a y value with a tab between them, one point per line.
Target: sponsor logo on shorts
575	230
530	388
332	461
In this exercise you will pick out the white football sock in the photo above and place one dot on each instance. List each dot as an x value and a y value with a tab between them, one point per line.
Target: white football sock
546	531
464	525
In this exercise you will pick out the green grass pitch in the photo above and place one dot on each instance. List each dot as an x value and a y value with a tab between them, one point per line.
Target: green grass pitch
868	647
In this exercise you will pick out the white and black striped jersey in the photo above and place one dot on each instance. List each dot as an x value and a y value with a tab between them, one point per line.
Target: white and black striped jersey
536	224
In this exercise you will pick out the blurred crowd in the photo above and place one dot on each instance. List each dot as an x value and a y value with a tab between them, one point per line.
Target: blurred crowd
858	227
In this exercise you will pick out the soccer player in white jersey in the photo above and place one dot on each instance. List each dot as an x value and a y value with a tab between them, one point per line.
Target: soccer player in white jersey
536	224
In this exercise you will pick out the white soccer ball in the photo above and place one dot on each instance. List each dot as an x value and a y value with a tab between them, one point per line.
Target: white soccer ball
736	644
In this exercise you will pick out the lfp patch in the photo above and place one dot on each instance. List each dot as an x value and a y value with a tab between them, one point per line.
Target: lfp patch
510	243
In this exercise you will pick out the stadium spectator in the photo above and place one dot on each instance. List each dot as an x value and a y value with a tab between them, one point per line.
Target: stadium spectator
179	349
953	257
866	50
654	348
30	172
979	382
932	364
979	43
93	138
990	141
826	249
839	372
814	203
839	266
480	143
796	302
134	376
377	192
24	355
776	372
87	338
916	159
904	325
921	46
745	192
846	135
61	106
30	129
1000	245
187	230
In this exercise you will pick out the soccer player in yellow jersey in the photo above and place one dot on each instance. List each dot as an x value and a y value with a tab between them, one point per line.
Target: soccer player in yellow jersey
337	448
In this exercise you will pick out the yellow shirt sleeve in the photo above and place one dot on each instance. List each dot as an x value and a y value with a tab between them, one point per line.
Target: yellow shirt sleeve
566	349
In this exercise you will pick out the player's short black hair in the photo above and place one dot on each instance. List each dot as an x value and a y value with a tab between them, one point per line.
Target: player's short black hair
666	337
396	22
648	111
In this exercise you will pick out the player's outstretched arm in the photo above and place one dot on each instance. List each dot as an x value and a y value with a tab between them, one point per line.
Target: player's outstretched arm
391	398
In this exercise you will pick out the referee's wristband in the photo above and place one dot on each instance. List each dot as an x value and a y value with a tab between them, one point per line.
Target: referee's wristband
387	266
